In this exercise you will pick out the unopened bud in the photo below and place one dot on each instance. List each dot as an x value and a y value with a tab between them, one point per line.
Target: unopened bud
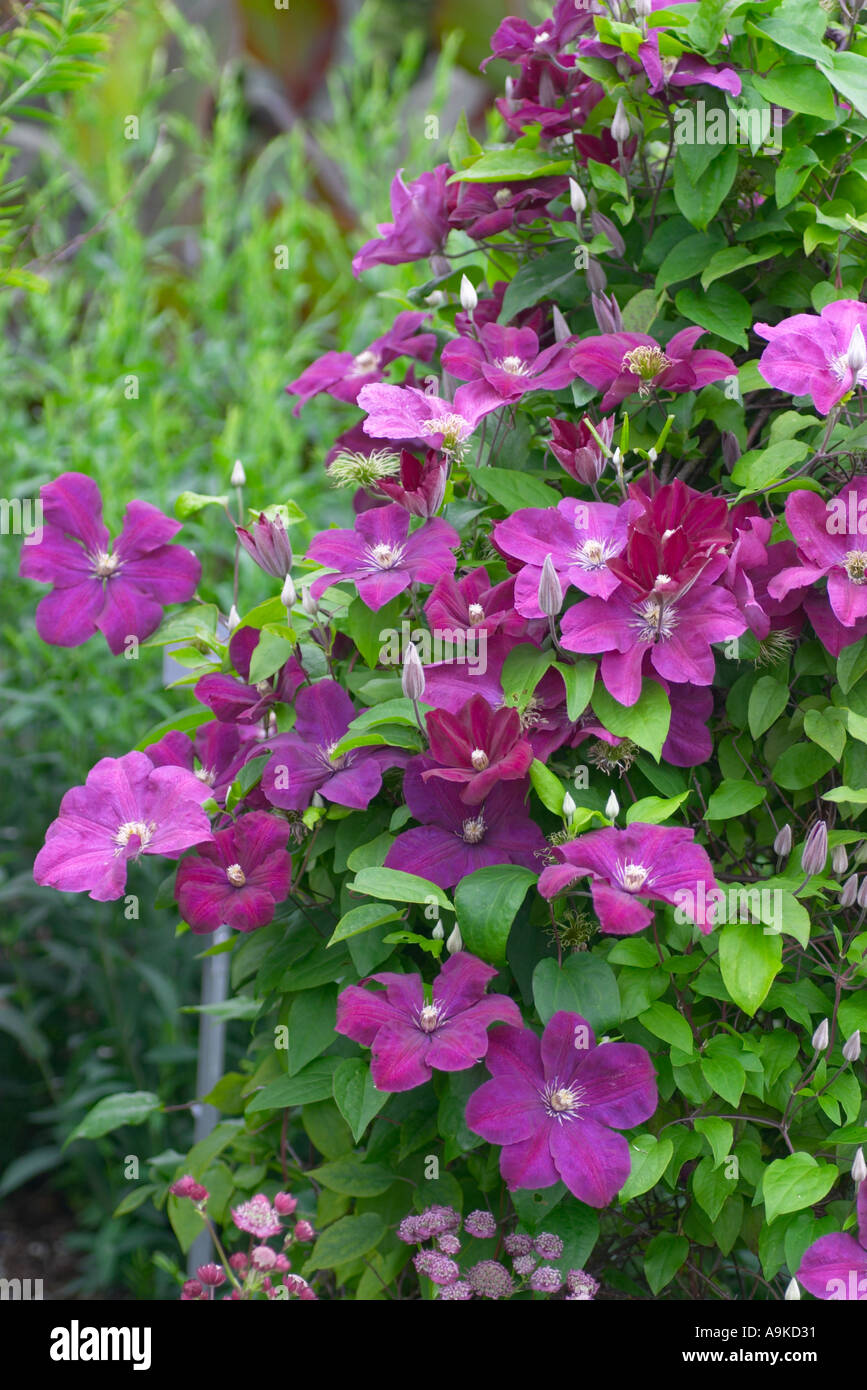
856	356
859	1167
852	1047
839	859
288	594
793	1291
239	477
612	807
550	589
596	280
455	941
569	807
469	298
309	603
577	198
412	679
850	891
731	449
861	897
317	800
820	1037
815	850
561	327
783	842
620	130
233	619
438	933
606	311
859	854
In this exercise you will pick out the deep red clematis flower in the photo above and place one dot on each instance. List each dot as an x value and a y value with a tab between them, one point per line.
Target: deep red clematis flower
479	747
674	537
238	878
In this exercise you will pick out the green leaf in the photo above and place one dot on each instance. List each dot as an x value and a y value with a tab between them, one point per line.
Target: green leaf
578	679
653	810
734	798
852	665
523	668
725	1075
311	1025
798	87
664	1021
548	788
641	311
271	652
585	985
699	200
364	626
125	1108
718	1133
721	310
645	723
361	919
749	960
768	699
395	886
462	145
827	727
354	1178
347	1239
649	1156
802	765
663	1258
357	1098
495	166
486	902
858	797
537	280
688	257
315	1082
191	502
761	468
848	73
792	1183
731	258
510	489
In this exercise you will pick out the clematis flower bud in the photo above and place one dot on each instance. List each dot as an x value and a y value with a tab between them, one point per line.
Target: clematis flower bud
642	8
309	603
596	280
577	198
856	355
793	1291
239	477
850	891
267	542
820	1037
550	589
438	930
412	679
620	129
606	311
852	1047
783	842
815	849
233	619
612	807
861	897
469	298
455	941
839	859
561	327
569	807
731	449
859	1167
288	594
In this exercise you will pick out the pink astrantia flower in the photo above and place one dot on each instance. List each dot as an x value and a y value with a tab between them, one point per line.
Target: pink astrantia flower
406	412
509	360
819	355
658	862
477	748
624	363
304	760
409	1035
832	543
554	1103
342	374
257	1217
682	70
835	1267
127	807
381	557
239	878
420	226
453	839
580	537
237	701
118	588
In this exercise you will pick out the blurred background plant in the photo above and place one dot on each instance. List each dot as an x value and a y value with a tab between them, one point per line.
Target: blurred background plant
181	191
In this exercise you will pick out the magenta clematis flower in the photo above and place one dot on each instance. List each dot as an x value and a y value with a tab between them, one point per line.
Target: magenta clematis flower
120	589
576	450
835	1267
659	862
381	557
623	363
472	604
420	226
304	761
519	41
421	486
682	70
675	631
126	808
832	543
509	360
406	412
236	701
818	355
478	748
342	374
485	209
554	1103
580	537
687	744
239	878
221	750
454	839
410	1035
257	1217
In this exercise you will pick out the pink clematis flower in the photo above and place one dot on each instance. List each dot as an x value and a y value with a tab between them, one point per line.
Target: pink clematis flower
659	862
509	360
675	534
472	604
478	748
239	878
421	487
119	589
237	701
342	374
519	41
580	537
576	450
381	557
834	1268
554	1103
406	412
410	1035
832	543
819	355
624	363
420	226
683	70
126	808
221	751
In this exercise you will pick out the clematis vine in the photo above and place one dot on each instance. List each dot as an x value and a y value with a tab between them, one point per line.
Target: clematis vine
834	1267
343	374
